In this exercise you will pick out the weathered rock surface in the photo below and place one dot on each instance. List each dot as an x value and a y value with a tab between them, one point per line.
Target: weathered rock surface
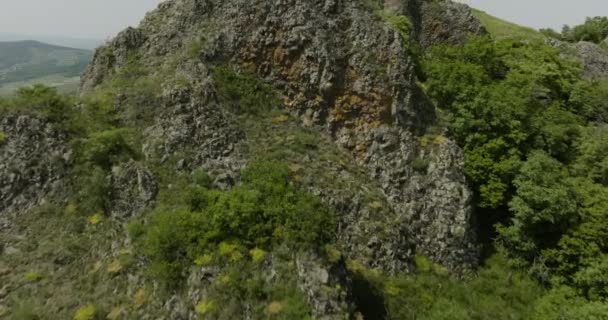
339	68
594	60
327	288
446	22
33	161
133	188
592	57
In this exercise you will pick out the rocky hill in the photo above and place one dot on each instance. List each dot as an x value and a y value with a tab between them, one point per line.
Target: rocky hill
242	160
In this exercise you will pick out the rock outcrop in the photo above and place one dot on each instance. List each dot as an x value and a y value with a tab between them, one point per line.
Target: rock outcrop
594	60
340	68
34	160
133	188
592	57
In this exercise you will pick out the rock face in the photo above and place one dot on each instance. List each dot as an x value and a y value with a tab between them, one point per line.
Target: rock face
594	60
33	161
441	21
339	68
133	188
592	57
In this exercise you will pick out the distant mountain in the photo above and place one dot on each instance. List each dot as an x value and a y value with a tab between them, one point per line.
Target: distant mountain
80	43
25	62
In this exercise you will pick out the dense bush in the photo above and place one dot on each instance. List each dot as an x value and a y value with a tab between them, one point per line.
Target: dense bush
107	148
535	153
432	294
243	93
42	101
503	100
265	211
592	30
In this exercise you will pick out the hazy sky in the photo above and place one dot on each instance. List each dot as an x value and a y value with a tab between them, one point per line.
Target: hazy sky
543	13
103	18
75	18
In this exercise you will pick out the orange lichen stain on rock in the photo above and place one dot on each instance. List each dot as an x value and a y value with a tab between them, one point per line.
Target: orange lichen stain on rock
293	71
250	67
355	110
280	55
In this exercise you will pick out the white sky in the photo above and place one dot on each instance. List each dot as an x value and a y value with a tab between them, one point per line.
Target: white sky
104	18
543	13
73	18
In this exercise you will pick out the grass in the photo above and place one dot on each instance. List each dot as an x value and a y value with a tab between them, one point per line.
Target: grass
63	84
501	29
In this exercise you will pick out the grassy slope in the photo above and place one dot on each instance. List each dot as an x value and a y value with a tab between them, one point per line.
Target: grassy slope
64	84
503	29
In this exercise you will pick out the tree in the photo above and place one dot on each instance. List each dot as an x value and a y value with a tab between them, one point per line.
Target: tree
543	208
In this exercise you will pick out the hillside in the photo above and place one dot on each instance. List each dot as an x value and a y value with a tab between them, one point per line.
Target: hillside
504	29
378	160
25	62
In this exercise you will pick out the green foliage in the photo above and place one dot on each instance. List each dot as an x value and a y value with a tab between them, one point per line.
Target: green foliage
265	211
107	148
550	33
544	206
93	189
201	178
26	311
42	101
245	286
244	94
592	160
496	96
420	165
535	153
2	137
130	94
501	29
593	30
495	293
88	312
135	230
33	276
591	100
195	48
400	23
564	303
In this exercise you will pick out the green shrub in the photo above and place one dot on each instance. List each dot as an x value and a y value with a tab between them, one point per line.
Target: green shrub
265	211
593	30
201	178
495	293
43	102
420	165
107	148
88	312
2	137
400	23
244	94
195	48
33	276
135	229
93	189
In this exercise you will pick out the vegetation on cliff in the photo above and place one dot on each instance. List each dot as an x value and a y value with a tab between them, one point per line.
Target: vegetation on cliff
141	226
